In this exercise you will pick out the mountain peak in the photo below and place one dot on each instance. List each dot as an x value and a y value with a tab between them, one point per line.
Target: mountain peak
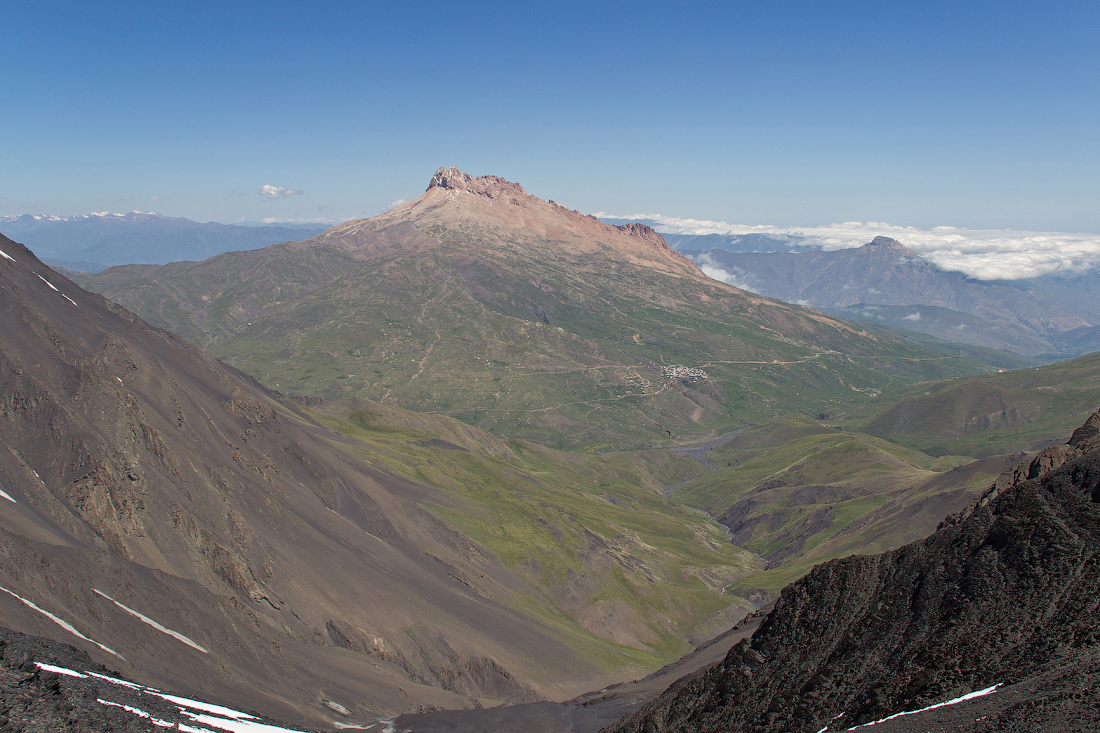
453	179
884	242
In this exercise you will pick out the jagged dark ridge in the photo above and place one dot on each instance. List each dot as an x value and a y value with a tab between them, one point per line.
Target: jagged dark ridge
1002	592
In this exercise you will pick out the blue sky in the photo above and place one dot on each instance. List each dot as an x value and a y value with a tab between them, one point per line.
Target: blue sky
969	114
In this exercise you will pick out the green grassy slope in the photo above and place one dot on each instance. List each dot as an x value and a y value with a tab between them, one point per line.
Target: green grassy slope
798	492
989	414
522	348
624	572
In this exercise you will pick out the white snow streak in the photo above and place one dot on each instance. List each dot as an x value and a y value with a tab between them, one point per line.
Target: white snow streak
154	624
6	256
69	299
220	717
116	681
7	496
968	696
238	726
60	670
205	706
136	711
48	283
63	624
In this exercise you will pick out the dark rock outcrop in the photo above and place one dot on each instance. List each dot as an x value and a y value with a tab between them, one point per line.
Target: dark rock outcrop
1002	593
35	698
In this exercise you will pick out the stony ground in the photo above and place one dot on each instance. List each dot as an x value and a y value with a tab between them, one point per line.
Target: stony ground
35	700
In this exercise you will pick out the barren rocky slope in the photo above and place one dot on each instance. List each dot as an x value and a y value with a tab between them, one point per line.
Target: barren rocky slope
1004	593
168	515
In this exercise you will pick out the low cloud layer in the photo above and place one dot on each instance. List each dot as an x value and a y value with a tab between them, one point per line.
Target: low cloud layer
278	192
738	278
983	254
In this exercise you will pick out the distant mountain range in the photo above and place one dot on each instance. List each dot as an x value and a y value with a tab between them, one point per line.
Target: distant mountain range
886	283
93	242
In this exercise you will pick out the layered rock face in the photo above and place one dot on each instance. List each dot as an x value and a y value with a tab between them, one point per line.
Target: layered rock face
1001	593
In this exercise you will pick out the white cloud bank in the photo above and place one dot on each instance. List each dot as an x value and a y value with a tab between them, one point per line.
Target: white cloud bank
278	192
983	254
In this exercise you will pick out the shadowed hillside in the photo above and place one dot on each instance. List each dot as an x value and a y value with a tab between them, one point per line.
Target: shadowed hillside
1004	593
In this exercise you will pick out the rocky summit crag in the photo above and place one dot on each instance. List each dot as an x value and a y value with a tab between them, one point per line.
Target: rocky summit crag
1003	593
480	301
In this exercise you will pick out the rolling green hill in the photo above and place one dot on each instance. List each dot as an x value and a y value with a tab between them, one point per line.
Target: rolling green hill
798	492
996	413
593	534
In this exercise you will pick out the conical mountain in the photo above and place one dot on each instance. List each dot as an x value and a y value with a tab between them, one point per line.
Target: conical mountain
505	220
480	301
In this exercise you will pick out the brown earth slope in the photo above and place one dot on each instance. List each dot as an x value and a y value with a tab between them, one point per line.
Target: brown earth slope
203	536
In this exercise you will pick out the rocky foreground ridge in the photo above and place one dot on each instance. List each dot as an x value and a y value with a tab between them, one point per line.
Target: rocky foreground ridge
1003	593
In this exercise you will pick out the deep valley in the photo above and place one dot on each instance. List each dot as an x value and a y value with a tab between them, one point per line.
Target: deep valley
485	463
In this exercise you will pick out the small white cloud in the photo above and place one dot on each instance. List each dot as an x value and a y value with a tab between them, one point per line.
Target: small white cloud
395	204
801	302
960	327
914	316
278	192
158	198
4	201
715	271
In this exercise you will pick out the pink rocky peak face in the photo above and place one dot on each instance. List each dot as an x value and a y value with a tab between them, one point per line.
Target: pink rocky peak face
452	179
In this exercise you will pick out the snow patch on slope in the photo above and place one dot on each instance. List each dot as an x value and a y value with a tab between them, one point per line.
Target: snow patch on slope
61	622
964	698
217	717
151	622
